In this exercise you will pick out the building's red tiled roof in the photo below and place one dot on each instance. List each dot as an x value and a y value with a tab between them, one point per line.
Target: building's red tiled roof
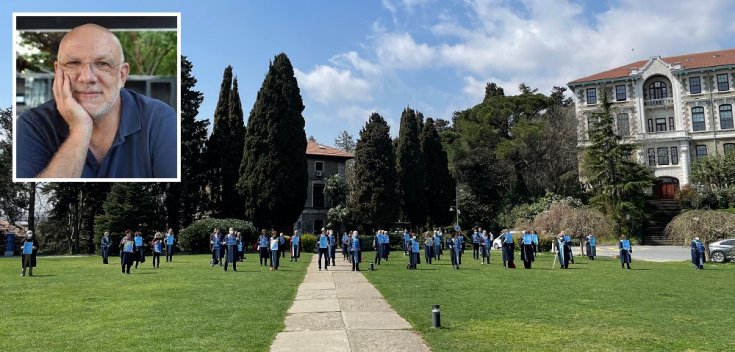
314	148
688	61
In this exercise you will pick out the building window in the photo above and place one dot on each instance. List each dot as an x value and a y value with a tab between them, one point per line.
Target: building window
729	147
663	156
674	156
649	125
651	157
671	123
701	151
317	195
722	83
620	93
726	117
623	125
695	85
660	124
319	166
657	90
698	118
591	96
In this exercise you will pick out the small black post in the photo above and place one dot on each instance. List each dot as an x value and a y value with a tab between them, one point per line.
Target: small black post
436	317
372	266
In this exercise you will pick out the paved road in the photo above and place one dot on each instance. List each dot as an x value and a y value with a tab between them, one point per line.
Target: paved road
651	253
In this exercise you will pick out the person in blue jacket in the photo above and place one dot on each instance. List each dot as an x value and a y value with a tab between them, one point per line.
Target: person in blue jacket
437	245
527	255
263	247
282	245
625	251
345	241
415	253
534	235
406	242
476	244
323	246
561	251
378	246
508	250
428	249
697	249
230	243
332	247
295	246
590	246
157	248
105	243
486	243
355	251
215	245
169	238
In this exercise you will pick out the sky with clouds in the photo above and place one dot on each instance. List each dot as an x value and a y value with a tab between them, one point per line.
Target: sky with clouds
353	58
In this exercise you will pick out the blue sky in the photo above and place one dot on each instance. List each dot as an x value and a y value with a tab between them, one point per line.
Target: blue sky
353	57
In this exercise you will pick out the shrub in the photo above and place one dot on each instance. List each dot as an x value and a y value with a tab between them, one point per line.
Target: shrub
308	242
195	238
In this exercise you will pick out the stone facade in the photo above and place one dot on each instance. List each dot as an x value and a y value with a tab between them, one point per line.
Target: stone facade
674	112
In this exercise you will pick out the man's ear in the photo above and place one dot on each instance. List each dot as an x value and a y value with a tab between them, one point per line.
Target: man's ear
124	71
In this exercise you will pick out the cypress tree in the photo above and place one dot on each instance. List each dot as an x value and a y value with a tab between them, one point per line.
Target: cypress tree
215	155
232	204
273	172
374	199
440	186
411	169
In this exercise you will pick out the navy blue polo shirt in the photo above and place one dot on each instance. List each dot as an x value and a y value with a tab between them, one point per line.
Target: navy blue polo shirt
144	147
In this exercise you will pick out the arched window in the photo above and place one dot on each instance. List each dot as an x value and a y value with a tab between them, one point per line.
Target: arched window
726	116
698	118
657	90
623	125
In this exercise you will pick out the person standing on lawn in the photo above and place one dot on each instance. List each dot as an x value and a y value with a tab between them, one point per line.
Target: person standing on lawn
127	251
170	245
476	244
215	246
240	247
406	242
415	253
356	251
386	245
295	246
428	249
561	251
527	249
275	254
323	245
590	246
508	250
105	243
263	247
568	243
139	249
697	249
28	256
378	246
230	243
437	245
625	251
332	247
486	242
534	235
157	246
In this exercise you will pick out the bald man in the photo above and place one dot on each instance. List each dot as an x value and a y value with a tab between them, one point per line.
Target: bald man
95	128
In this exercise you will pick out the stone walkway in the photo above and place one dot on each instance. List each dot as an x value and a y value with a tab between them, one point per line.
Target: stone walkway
339	310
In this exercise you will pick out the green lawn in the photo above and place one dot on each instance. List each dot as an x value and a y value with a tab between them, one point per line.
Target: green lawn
81	305
593	306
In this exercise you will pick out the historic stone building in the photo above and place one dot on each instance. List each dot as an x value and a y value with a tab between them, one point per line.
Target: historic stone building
677	109
323	162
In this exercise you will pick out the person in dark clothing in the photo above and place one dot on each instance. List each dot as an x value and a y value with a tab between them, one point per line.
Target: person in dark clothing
105	244
127	251
28	258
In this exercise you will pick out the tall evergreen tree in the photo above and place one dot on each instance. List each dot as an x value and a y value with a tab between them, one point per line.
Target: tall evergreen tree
374	199
224	151
617	181
273	172
411	169
13	196
131	206
187	195
440	186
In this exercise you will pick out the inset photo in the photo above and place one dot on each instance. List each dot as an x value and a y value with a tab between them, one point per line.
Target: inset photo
97	97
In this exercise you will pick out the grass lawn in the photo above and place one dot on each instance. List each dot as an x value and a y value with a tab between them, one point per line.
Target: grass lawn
79	304
593	306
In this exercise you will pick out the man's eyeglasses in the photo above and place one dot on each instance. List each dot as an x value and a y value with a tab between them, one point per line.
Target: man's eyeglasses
100	67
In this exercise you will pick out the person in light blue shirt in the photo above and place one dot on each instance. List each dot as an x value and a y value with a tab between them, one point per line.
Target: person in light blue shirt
295	246
157	248
356	251
323	245
534	235
230	243
508	250
274	249
95	128
527	255
140	248
282	244
415	252
170	240
345	241
386	245
406	242
486	242
590	246
263	248
625	251
428	249
378	246
476	244
332	247
437	245
215	245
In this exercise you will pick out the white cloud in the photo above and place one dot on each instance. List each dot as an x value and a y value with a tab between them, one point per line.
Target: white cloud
400	50
326	84
354	59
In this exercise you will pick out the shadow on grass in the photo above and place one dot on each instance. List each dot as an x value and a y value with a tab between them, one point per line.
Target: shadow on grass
43	275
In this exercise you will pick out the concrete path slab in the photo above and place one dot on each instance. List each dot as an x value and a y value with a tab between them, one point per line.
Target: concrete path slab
400	341
314	321
339	310
312	341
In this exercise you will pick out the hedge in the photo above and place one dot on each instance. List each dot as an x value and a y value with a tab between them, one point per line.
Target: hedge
195	238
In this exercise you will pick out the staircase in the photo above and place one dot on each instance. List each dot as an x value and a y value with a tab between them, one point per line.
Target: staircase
660	214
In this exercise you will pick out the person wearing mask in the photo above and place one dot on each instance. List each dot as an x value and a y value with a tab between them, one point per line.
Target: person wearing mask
28	257
139	249
105	244
282	245
345	240
562	252
697	249
406	242
332	247
625	251
157	246
215	245
527	255
486	242
590	246
508	248
355	251
230	243
437	245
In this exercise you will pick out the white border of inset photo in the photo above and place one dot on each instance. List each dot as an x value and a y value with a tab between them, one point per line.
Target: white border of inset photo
101	14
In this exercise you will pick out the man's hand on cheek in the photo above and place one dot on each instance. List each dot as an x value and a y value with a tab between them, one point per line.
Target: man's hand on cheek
73	113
